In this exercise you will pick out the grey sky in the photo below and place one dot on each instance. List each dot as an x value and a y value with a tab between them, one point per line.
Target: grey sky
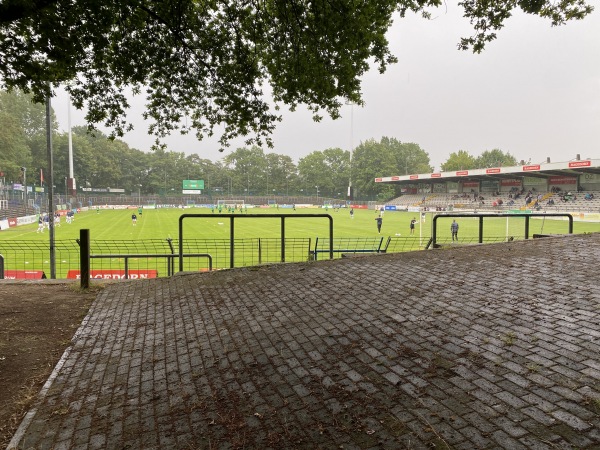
534	92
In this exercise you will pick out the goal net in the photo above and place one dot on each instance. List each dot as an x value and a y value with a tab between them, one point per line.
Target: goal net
229	203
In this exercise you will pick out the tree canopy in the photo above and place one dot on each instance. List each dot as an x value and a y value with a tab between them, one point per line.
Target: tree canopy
463	160
202	65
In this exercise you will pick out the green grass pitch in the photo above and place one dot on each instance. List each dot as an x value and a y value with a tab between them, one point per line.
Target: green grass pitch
26	249
111	224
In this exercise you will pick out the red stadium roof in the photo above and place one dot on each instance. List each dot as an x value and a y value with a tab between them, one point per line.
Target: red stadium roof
545	170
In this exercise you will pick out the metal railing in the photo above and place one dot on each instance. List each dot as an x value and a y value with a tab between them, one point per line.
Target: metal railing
232	219
168	256
481	216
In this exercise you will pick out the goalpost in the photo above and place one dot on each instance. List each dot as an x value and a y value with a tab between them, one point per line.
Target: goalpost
229	203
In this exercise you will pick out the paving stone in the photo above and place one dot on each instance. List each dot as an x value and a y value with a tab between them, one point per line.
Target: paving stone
298	356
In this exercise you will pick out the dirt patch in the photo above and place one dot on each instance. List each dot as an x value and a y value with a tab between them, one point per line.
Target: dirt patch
37	322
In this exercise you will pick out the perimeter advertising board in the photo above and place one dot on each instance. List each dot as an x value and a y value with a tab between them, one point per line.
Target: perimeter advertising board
114	274
24	274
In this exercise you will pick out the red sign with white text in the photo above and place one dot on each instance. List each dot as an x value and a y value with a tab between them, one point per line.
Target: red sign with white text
436	175
510	182
378	180
580	163
395	178
24	274
494	170
414	177
115	274
587	163
562	180
529	168
462	173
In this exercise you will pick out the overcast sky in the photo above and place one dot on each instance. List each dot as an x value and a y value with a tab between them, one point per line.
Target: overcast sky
534	92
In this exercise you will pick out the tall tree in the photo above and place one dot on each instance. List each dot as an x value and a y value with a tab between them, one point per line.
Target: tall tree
22	124
495	158
208	61
328	169
374	159
248	168
14	152
460	160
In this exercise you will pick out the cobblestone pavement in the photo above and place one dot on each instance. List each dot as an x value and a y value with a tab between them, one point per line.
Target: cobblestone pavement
493	346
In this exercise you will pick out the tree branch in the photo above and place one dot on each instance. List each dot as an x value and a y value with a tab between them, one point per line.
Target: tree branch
15	10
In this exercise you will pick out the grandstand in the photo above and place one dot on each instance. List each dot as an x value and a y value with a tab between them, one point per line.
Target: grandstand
572	186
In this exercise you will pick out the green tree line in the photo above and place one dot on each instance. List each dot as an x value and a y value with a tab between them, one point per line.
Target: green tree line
100	162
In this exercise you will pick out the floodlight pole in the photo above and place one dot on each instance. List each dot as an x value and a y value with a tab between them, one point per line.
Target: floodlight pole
50	185
350	193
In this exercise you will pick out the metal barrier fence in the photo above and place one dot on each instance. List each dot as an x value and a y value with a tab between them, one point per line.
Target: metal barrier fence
232	241
482	216
156	257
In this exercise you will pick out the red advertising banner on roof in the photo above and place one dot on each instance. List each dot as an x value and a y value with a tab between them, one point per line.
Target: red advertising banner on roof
462	173
493	170
436	175
395	178
587	163
562	180
378	180
414	177
530	168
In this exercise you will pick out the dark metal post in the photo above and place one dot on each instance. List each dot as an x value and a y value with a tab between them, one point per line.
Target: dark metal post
181	243
481	230
330	236
527	227
231	241
170	261
259	251
282	239
84	258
